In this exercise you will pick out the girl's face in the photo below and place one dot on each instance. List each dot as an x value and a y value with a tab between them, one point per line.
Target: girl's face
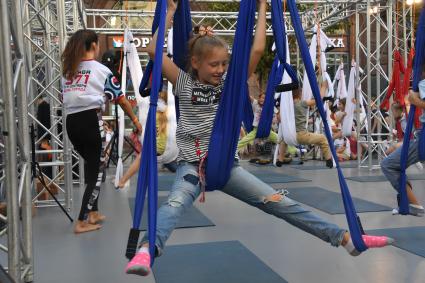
341	106
212	66
261	99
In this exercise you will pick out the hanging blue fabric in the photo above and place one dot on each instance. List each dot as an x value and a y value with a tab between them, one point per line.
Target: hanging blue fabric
149	67
147	181
266	118
278	68
417	74
227	124
182	30
350	211
421	148
145	79
248	115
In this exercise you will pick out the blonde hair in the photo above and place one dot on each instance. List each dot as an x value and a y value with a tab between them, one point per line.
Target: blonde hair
161	117
161	122
201	46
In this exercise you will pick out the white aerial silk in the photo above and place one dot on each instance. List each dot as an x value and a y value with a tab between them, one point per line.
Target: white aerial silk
307	93
341	91
287	114
132	59
286	131
350	105
324	42
133	63
171	150
121	127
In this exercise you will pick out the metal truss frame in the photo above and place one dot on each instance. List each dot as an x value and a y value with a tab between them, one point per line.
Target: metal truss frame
375	40
327	12
16	176
45	29
33	34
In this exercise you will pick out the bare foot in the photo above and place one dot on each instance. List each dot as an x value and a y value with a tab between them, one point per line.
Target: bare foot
95	217
82	227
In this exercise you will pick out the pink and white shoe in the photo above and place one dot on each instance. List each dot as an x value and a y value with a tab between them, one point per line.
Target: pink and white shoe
139	264
377	241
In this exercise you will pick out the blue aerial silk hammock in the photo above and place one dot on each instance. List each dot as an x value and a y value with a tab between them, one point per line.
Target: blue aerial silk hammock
276	73
225	133
147	181
248	115
149	67
417	74
350	211
265	123
182	30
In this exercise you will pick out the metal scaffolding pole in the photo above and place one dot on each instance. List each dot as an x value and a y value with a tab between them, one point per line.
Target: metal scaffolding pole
375	131
369	82
21	93
9	137
66	143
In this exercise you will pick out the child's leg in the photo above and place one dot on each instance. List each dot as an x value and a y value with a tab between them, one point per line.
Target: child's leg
183	193
248	188
82	129
94	215
391	168
273	137
247	139
316	139
282	159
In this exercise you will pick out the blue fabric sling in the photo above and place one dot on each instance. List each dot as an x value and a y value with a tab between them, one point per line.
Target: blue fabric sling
265	123
276	73
421	145
225	133
149	67
350	211
182	30
248	115
147	181
417	74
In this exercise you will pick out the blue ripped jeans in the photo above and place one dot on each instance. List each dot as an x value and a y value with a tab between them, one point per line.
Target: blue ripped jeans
390	166
247	188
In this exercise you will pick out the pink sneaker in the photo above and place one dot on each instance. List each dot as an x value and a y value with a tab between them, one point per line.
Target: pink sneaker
377	241
139	264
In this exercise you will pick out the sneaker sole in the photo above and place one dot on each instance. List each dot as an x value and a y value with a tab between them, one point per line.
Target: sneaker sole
138	270
355	253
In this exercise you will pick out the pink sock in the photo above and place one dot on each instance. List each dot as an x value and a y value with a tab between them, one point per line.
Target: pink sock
377	241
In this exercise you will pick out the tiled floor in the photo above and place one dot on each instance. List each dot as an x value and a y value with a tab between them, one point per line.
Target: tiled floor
61	256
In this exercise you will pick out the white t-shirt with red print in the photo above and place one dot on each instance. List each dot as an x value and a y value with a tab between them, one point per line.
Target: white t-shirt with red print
89	89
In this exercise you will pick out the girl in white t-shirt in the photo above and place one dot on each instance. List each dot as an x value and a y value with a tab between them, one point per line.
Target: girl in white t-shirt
86	84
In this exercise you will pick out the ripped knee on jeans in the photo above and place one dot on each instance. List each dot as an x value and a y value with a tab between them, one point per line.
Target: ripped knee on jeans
276	197
193	179
175	201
